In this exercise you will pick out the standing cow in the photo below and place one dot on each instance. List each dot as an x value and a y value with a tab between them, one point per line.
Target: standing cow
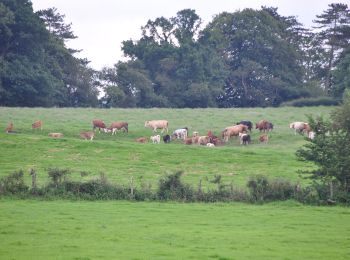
157	124
37	124
97	123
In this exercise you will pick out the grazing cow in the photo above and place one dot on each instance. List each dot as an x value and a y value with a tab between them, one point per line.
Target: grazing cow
203	140
244	138
188	140
300	127
87	135
96	123
9	128
264	138
180	133
56	135
233	131
247	123
141	140
166	139
37	124
263	125
155	124
155	139
210	145
120	126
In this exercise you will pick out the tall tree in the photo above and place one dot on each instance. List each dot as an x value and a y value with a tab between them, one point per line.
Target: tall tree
334	24
265	62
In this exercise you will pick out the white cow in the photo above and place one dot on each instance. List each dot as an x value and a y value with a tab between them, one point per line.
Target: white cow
155	139
155	124
180	133
299	127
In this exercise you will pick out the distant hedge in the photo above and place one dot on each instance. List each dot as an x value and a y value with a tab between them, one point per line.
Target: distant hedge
309	102
259	189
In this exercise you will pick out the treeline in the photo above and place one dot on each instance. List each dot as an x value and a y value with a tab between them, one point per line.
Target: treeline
241	59
259	189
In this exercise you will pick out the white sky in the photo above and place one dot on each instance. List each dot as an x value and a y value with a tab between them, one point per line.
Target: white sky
102	25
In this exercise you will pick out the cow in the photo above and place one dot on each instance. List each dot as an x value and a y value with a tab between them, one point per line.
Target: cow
263	125
244	138
120	126
300	127
110	130
180	133
87	135
247	123
97	123
210	145
9	128
37	124
155	124
56	135
141	140
155	139
264	138
203	140
233	131
188	140
166	139
211	136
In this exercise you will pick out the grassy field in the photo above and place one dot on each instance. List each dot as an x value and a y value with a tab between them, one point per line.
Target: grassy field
121	158
125	230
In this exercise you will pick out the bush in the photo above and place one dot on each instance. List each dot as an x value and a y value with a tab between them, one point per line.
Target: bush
308	102
13	183
172	188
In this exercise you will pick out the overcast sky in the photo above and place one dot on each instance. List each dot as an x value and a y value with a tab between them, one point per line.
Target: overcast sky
101	25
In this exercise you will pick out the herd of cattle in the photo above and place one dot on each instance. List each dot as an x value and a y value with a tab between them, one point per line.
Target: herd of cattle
242	130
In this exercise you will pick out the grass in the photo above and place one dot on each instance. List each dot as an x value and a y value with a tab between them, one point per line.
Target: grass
121	158
31	229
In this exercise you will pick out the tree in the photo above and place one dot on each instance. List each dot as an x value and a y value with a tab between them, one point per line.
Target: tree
334	24
259	48
330	150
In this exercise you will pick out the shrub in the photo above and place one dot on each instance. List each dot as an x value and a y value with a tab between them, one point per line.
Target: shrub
308	102
172	188
13	183
258	186
57	175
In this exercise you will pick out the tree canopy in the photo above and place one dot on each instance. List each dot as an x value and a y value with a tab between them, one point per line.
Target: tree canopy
239	59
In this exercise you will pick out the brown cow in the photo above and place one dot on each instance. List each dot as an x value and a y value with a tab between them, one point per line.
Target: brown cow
96	123
120	125
263	125
9	128
264	138
56	135
203	140
233	131
87	135
37	124
142	139
188	140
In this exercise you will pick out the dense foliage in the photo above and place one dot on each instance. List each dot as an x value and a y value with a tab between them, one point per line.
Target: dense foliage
330	149
245	58
37	69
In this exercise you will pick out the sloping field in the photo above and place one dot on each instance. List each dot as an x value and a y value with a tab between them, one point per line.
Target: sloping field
125	230
121	158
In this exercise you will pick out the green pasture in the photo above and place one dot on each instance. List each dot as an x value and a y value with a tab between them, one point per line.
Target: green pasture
121	158
31	229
